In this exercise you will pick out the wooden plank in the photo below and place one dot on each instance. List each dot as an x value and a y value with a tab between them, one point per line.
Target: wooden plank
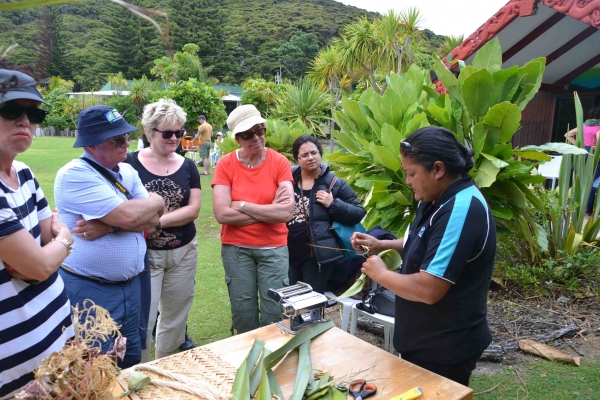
536	33
344	355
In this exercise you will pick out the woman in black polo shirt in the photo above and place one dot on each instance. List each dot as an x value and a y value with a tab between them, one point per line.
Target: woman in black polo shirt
447	259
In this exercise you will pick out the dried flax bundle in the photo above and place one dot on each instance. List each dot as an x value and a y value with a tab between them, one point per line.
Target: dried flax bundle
80	370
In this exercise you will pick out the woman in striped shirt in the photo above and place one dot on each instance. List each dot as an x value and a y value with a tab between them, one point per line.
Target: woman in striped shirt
35	315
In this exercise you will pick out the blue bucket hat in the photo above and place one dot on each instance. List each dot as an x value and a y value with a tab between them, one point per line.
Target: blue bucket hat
97	124
20	86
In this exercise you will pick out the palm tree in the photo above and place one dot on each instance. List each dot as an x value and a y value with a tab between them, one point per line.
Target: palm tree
326	70
141	90
117	82
361	51
450	44
410	21
304	102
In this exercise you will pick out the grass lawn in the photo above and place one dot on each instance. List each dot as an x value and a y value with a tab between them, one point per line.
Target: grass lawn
210	316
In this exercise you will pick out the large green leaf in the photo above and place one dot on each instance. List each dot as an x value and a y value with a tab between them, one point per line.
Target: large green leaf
344	122
416	76
532	155
347	141
384	157
479	136
392	108
376	107
365	97
512	193
477	90
367	181
447	78
390	138
506	82
441	115
417	122
376	128
491	140
496	161
503	151
486	174
489	56
533	199
505	116
464	74
353	111
402	199
563	148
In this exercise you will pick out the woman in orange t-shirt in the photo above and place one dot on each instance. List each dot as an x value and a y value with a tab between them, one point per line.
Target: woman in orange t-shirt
252	199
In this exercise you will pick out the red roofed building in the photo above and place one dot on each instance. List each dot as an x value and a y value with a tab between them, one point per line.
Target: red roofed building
567	33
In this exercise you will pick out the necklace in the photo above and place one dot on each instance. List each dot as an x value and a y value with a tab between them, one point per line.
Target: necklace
158	161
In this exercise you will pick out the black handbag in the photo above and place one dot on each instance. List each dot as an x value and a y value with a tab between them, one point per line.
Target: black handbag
380	301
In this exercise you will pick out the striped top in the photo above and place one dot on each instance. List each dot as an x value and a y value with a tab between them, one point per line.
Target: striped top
35	320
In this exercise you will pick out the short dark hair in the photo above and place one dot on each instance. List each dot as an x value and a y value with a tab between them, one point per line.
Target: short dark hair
303	139
594	113
440	144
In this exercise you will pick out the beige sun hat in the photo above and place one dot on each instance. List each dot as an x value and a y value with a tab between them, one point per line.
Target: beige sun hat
243	118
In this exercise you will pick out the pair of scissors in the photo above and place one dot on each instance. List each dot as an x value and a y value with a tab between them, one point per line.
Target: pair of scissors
360	389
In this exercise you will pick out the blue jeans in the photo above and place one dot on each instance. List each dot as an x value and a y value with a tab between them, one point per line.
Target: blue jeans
121	300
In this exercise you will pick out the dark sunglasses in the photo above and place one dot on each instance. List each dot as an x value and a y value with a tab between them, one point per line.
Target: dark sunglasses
260	131
119	141
13	111
406	150
167	134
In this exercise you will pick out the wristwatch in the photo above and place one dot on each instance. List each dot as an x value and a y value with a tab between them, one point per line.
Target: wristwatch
116	229
242	205
64	241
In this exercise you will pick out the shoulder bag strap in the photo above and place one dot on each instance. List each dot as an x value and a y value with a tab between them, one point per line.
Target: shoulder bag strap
333	181
109	177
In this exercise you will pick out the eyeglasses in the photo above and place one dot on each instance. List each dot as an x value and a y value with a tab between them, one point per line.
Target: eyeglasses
13	111
312	153
167	134
260	131
406	150
119	141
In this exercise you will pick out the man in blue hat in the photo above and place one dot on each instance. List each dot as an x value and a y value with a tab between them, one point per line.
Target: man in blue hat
105	205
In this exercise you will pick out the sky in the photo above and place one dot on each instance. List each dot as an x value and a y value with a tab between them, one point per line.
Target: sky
443	17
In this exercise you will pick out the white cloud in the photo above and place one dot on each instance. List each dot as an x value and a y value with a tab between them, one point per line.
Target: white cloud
443	17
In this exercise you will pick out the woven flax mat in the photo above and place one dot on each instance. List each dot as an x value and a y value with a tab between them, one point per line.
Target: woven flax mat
197	366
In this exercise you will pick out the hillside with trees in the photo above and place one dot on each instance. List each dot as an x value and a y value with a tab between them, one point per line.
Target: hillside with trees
87	41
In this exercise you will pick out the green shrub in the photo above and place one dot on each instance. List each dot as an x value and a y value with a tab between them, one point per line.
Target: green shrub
572	272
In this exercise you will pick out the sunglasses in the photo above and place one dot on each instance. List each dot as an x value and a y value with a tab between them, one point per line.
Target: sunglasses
119	141
13	111
406	150
167	134
260	131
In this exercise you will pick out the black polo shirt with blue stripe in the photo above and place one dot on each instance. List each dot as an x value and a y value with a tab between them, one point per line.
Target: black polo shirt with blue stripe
454	239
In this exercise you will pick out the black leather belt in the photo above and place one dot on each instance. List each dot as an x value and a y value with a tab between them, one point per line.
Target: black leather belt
95	278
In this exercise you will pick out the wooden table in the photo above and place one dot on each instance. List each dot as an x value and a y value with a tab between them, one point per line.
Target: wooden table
343	354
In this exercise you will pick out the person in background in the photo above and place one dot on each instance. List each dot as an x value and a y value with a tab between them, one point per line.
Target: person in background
173	247
447	259
205	131
35	313
252	200
315	209
106	206
591	133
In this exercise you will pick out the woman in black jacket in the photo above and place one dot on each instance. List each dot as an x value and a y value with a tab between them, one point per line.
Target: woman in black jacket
316	208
